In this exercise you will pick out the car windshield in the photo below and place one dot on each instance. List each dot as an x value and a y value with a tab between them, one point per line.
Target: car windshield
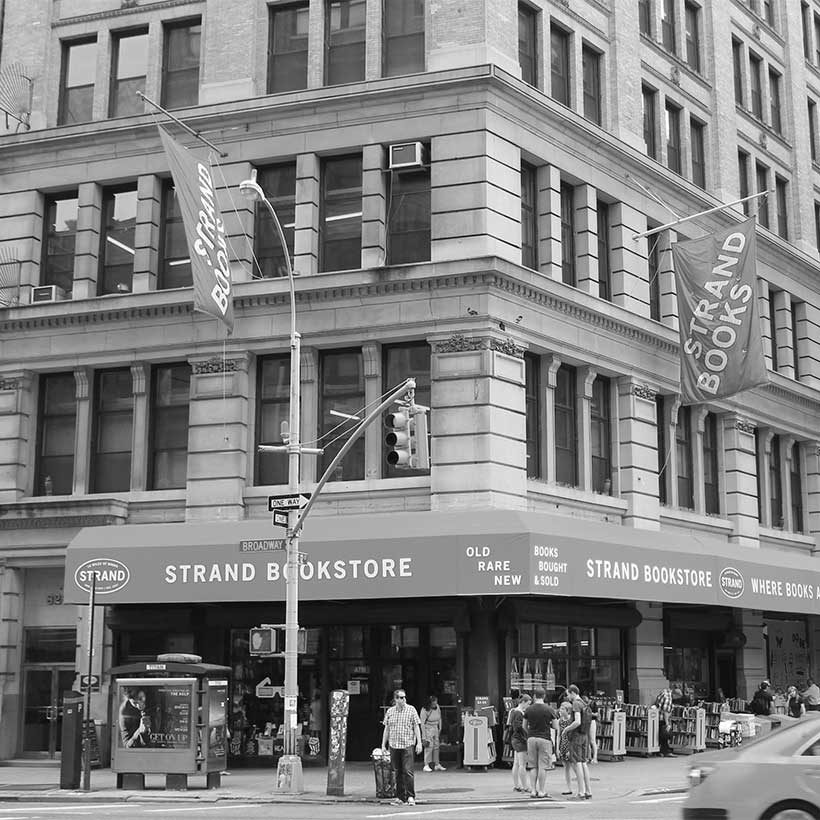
788	735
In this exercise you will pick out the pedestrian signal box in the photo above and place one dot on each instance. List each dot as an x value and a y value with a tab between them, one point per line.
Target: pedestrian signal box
263	641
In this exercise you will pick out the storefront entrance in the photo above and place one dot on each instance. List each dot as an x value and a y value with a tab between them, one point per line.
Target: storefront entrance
43	711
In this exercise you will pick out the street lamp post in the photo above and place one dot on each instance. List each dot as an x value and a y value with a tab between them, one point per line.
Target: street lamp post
289	777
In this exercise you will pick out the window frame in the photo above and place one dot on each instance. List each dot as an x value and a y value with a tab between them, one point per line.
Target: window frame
528	57
171	223
591	60
756	86
355	69
47	275
268	465
105	269
560	68
529	215
669	26
416	38
781	186
743	171
267	247
282	13
773	331
711	465
100	416
762	183
663	448
169	75
776	510
159	425
653	263
45	416
796	487
692	35
604	250
650	121
569	268
532	404
338	198
137	106
352	467
674	137
65	69
685	466
811	106
645	17
409	242
776	101
737	65
697	141
568	411
600	446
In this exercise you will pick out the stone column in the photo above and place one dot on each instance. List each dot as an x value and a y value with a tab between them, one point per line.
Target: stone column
698	417
672	462
374	207
83	376
583	391
310	410
375	42
146	235
372	371
638	453
316	43
811	461
630	271
666	278
87	240
752	664
549	374
646	673
764	454
586	239
17	421
740	479
140	448
783	331
764	308
786	444
478	428
228	72
217	438
11	642
808	331
549	221
473	212
626	114
306	230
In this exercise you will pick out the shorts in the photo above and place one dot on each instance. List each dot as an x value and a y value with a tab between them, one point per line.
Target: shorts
539	754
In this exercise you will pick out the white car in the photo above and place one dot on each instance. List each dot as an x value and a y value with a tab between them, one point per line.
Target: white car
774	777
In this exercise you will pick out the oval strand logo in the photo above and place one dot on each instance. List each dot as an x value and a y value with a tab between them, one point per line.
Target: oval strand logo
111	575
731	582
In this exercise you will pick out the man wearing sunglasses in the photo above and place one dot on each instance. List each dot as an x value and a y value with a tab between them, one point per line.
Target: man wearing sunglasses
401	729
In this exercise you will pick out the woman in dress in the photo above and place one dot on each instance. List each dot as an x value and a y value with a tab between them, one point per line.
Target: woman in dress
564	720
430	719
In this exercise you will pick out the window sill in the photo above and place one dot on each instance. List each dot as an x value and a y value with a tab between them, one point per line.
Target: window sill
786	541
540	493
689	520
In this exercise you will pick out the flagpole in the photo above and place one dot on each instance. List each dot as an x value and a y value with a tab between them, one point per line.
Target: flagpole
701	213
178	121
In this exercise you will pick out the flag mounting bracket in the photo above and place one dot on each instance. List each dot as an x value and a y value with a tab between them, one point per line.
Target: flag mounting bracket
178	121
660	228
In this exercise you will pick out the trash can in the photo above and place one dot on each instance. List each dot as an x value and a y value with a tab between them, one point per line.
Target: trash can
385	779
72	740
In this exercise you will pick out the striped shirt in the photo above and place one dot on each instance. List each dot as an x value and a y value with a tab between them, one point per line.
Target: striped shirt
401	726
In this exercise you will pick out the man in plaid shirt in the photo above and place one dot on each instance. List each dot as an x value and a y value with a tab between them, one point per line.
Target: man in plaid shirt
401	729
664	704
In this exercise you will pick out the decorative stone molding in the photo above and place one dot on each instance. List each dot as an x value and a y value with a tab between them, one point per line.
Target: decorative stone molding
139	379
81	383
507	346
10	384
307	367
745	426
674	75
371	363
459	343
215	365
644	391
51	512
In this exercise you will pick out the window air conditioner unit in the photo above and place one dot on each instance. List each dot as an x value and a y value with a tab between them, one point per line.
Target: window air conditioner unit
47	293
405	155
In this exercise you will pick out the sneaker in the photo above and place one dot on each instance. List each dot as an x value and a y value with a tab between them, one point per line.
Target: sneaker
411	801
440	768
426	768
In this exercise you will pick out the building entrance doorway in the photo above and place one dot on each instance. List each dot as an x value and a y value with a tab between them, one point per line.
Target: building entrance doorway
43	710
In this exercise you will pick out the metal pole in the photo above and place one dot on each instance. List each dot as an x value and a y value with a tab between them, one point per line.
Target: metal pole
178	121
92	594
700	213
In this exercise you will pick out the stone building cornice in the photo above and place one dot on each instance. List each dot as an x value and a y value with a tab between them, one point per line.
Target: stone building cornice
63	511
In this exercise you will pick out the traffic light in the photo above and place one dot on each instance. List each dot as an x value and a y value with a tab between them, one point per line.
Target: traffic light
407	438
263	641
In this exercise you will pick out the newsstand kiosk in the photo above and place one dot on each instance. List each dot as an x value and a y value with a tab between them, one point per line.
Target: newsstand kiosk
169	718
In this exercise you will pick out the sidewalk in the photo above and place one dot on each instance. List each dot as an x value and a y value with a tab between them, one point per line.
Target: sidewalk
633	775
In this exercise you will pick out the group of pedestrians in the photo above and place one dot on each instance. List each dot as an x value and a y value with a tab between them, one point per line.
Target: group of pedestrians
797	703
532	724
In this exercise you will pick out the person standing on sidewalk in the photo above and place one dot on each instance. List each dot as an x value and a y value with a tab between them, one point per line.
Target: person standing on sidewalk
431	734
518	742
664	704
538	720
401	730
578	746
811	696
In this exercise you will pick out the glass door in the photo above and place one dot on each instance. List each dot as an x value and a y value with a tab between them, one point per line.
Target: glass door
43	711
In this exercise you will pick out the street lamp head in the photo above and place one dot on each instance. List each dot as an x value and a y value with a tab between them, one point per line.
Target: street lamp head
251	189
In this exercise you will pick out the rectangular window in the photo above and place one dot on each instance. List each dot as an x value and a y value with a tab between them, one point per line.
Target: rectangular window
568	234
175	265
817	224
773	330
403	37
692	14
796	345
592	84
812	109
529	217
113	431
533	408
600	440
768	12
805	16
650	115
566	427
170	395
743	179
77	84
279	184
344	49
737	61
781	196
604	267
180	66
683	449
817	40
341	374
663	450
759	466
775	484
54	473
774	98
756	85
527	39
119	215
340	231
710	464
645	17
273	409
559	65
653	259
673	140
59	241
129	66
408	221
762	180
697	131
404	361
669	28
796	482
288	48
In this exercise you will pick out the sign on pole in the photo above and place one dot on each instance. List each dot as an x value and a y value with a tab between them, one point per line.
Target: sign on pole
287	502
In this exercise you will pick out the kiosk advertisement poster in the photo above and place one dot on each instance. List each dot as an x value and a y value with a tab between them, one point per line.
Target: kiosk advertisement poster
155	714
217	736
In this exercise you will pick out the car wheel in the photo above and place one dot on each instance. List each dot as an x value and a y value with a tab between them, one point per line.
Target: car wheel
792	811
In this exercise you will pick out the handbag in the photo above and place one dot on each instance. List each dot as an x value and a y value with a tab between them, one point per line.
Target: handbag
508	733
425	743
